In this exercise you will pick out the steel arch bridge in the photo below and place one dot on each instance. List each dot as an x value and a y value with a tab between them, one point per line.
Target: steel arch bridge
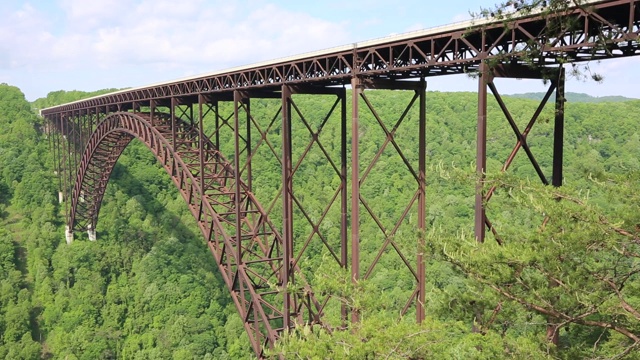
261	260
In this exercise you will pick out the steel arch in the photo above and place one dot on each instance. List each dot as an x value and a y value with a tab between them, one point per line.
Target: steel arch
250	258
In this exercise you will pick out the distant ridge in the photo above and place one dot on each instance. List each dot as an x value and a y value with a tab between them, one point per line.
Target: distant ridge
575	97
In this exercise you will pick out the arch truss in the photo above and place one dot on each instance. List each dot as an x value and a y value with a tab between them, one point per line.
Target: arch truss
246	245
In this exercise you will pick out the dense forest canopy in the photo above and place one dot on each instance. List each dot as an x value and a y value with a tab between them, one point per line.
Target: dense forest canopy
149	289
146	290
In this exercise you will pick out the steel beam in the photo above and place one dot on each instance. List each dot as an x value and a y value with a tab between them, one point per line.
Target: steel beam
216	111
558	131
237	99
55	121
287	206
344	196
451	50
248	146
422	200
521	136
390	246
172	111
557	79
484	78
357	88
68	172
201	154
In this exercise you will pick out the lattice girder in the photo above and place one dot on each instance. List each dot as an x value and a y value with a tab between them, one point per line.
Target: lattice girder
249	257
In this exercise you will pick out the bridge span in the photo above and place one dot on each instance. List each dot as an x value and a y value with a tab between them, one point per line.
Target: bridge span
261	259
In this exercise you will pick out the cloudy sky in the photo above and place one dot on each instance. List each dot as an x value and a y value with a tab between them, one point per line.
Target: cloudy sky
48	45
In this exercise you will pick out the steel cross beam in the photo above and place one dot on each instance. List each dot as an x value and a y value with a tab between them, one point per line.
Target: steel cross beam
557	78
292	116
309	133
175	119
247	248
389	244
309	137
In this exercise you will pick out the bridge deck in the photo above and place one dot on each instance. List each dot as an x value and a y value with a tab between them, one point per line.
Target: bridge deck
449	49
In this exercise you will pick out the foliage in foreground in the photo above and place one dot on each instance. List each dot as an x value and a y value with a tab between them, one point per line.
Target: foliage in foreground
579	268
567	289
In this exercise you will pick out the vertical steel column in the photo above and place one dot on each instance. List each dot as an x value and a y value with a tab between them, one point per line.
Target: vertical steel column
357	88
287	202
173	124
481	151
344	201
216	113
92	120
152	111
247	107
64	121
191	113
71	142
422	202
62	160
82	123
237	97
87	124
558	131
63	155
74	138
556	176
49	130
201	153
58	156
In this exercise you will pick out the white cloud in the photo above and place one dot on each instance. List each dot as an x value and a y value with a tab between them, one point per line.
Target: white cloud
23	36
91	44
153	33
614	66
86	15
157	35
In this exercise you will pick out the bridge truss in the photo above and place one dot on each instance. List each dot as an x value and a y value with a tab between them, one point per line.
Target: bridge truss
263	261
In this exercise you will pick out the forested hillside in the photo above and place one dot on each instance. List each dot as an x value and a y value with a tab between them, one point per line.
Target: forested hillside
148	288
576	97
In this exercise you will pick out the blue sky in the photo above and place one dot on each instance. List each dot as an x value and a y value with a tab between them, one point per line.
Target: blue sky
48	45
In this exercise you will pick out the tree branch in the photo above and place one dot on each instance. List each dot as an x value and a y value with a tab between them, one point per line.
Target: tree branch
577	319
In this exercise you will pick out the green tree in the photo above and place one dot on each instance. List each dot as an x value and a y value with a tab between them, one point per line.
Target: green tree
579	269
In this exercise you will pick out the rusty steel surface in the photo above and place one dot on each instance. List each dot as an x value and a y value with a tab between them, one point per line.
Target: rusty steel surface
187	123
245	244
486	81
